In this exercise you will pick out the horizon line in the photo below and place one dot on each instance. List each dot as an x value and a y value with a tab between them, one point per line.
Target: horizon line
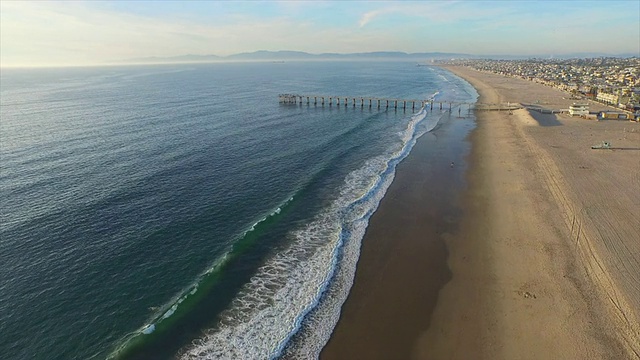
166	60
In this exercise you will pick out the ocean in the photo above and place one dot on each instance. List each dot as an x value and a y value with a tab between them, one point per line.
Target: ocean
181	211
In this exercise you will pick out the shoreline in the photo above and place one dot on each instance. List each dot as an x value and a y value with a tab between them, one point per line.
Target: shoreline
402	263
516	283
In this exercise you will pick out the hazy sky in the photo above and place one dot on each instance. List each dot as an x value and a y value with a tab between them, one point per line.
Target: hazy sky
85	32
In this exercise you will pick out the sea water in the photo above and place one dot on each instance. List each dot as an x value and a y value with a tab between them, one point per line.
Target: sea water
180	210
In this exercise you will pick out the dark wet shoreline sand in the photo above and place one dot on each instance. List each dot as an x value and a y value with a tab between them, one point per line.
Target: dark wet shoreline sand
403	257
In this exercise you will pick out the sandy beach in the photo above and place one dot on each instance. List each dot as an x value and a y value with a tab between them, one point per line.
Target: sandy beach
403	258
533	254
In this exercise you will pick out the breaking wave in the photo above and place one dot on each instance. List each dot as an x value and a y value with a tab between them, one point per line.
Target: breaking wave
292	303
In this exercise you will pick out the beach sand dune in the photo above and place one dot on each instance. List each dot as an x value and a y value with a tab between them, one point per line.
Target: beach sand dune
544	262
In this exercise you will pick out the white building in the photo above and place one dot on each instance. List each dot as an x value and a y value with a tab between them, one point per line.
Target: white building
607	98
579	109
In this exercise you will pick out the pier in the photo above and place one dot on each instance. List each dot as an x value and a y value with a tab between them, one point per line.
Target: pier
386	103
497	107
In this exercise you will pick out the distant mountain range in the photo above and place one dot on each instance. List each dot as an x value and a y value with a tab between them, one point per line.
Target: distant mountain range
264	55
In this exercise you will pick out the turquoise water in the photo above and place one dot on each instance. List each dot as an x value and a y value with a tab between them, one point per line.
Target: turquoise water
180	209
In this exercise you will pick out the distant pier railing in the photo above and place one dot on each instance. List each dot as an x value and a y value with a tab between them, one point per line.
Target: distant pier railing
375	102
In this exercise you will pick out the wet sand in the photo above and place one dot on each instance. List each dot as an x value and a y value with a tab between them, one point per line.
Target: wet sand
537	258
403	257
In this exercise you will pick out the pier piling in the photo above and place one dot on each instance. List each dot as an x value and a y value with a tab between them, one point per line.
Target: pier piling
297	99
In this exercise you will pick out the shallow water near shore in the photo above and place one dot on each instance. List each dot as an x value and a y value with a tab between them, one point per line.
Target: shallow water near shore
179	209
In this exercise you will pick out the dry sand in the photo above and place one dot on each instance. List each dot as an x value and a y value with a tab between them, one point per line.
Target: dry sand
545	262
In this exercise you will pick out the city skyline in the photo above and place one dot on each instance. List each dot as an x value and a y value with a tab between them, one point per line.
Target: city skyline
85	33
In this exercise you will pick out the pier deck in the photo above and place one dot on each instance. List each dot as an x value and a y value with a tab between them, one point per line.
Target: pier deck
370	102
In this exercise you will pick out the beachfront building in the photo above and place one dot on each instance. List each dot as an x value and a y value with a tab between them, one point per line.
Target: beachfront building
579	109
607	98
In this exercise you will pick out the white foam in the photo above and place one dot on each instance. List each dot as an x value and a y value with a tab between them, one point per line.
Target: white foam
310	279
268	308
171	310
275	212
149	329
320	323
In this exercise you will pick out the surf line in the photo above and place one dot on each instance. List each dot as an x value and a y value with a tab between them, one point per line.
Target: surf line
342	274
